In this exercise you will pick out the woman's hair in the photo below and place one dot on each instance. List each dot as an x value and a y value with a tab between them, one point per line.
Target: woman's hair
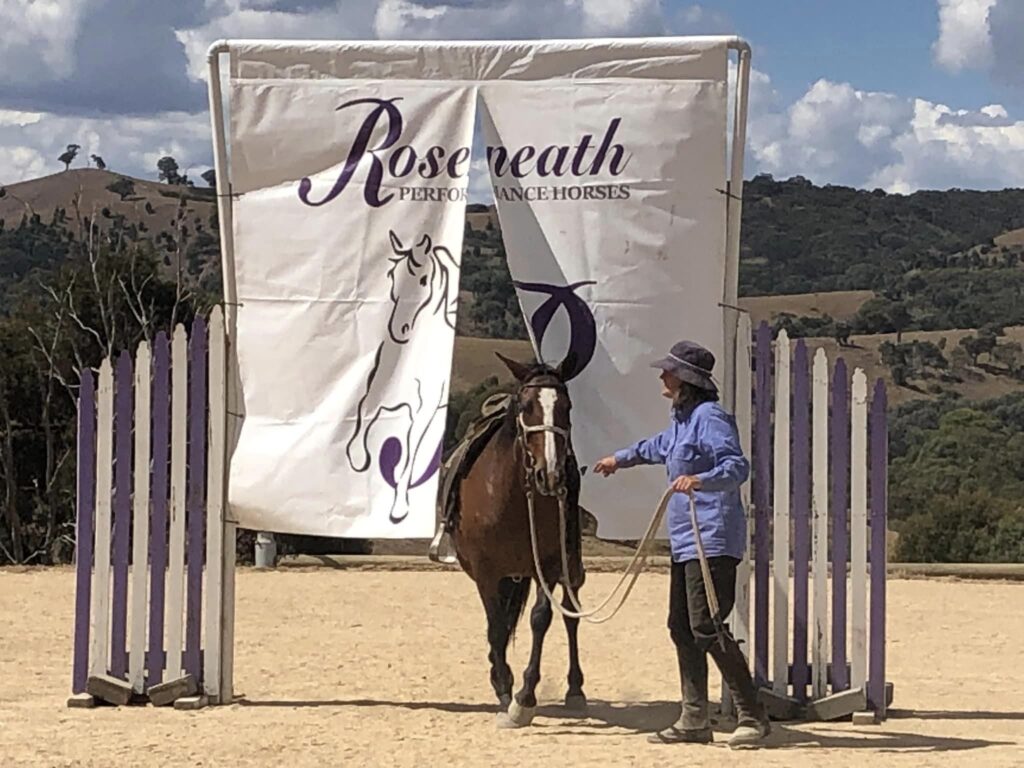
690	395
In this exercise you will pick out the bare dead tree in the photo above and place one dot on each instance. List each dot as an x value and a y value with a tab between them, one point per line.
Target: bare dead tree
48	336
10	475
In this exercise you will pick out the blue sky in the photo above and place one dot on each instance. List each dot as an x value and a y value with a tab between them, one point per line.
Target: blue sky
897	94
877	45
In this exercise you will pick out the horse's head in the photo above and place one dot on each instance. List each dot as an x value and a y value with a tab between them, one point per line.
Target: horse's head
412	285
543	425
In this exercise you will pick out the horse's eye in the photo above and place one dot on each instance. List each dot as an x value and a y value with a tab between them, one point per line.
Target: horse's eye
423	280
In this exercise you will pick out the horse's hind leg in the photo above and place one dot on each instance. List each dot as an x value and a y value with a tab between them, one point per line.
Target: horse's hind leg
575	699
524	706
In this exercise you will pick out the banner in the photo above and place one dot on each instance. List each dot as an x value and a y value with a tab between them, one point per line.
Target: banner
609	198
349	165
349	212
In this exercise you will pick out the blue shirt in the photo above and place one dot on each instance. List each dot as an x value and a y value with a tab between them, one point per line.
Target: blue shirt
704	442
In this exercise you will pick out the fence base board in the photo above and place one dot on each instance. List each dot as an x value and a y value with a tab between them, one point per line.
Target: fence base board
168	693
191	703
780	707
109	689
838	705
82	701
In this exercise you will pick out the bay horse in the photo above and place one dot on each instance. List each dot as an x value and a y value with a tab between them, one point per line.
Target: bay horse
530	455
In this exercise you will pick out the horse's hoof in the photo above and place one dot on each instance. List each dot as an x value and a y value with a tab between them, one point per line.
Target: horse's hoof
517	716
576	703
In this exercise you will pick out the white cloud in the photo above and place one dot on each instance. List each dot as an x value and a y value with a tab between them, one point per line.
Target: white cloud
488	19
275	19
983	35
36	38
837	134
1006	25
969	151
698	20
31	143
964	41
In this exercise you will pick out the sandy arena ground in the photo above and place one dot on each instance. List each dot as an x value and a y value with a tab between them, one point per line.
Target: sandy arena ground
379	669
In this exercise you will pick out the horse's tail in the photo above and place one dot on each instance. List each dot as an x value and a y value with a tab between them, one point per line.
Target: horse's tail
512	598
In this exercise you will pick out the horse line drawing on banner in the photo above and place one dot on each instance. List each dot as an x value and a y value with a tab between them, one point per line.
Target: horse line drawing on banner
424	298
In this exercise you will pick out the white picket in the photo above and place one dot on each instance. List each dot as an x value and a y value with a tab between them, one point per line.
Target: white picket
819	527
140	528
99	629
780	533
859	530
215	463
176	552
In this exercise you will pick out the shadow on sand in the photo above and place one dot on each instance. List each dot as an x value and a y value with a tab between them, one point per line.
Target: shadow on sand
646	717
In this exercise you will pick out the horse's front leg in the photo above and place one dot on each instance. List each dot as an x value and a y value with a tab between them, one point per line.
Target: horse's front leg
501	605
407	474
358	450
404	474
524	706
575	699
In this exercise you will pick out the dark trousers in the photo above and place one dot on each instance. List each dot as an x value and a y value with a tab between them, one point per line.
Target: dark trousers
693	632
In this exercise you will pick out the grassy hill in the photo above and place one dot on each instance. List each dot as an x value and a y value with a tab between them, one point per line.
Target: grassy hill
151	204
175	217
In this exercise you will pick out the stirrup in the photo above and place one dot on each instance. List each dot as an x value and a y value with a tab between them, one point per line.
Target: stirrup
441	549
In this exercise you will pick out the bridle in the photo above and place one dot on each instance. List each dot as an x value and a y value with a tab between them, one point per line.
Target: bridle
523	432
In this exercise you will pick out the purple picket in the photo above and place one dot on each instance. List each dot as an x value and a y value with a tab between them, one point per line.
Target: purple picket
801	516
84	524
194	504
761	494
840	435
123	395
879	457
161	436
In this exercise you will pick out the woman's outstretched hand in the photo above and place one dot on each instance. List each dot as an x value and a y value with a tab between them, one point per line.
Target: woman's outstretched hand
606	466
686	484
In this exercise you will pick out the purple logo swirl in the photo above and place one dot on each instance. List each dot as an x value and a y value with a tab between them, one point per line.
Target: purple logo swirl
582	328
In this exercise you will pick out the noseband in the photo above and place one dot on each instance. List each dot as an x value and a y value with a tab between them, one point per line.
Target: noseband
523	432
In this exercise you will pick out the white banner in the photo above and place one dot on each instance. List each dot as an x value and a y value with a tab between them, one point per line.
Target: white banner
613	220
349	165
348	223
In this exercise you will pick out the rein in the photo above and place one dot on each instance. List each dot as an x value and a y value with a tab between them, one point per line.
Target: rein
633	569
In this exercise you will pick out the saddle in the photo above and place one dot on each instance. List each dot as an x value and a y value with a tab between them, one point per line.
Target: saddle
493	412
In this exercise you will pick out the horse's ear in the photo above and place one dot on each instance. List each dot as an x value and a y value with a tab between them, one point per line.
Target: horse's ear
520	371
396	244
567	367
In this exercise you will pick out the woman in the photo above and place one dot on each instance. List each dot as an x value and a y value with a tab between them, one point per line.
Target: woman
702	454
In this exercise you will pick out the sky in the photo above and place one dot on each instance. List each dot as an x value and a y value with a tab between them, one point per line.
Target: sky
893	94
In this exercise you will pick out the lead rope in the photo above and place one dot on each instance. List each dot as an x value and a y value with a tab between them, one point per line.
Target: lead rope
639	556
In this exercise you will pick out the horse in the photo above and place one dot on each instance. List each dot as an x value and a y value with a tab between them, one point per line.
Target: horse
529	459
423	294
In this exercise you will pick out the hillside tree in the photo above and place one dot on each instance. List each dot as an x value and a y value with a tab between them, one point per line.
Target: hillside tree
69	155
168	168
